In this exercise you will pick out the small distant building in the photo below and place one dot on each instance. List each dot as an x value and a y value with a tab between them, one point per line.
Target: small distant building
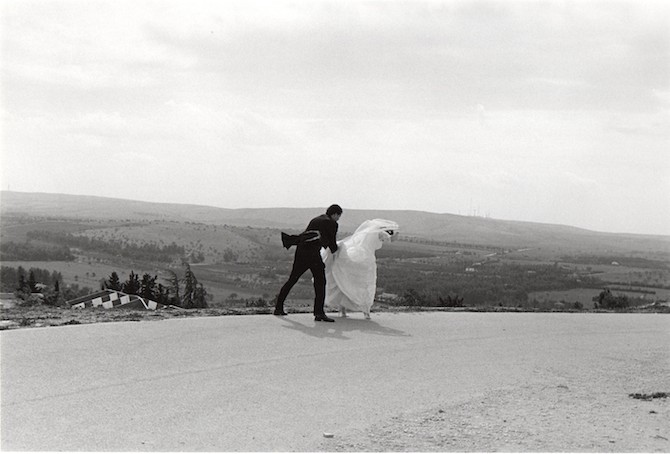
8	300
113	299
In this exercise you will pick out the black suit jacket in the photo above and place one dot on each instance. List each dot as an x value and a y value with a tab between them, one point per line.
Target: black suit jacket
327	227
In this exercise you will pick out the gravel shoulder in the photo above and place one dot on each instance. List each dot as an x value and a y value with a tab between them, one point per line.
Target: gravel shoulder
537	418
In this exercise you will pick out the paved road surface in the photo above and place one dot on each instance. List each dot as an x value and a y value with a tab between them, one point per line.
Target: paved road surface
264	383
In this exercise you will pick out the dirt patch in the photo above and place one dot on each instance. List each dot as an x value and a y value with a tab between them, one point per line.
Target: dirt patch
529	419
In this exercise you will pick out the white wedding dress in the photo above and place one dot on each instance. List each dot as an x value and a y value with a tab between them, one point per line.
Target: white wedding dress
351	273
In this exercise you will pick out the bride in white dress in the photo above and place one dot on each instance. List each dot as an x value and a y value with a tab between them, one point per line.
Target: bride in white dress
351	273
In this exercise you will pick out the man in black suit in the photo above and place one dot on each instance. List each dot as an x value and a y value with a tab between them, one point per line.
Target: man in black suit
321	232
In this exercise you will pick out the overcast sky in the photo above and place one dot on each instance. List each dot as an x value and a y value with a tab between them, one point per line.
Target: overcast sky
553	112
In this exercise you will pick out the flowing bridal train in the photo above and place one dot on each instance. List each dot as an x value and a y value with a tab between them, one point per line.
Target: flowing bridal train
351	273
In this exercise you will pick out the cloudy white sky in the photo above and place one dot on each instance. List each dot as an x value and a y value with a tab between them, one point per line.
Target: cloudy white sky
544	111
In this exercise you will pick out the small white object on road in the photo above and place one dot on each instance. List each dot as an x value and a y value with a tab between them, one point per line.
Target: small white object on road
328	435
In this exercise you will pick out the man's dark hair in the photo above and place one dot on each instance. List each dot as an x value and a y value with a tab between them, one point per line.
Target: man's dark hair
334	209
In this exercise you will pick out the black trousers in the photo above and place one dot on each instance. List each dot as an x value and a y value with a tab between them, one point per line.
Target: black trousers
306	259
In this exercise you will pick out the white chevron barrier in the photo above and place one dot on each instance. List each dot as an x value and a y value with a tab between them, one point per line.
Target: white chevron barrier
112	299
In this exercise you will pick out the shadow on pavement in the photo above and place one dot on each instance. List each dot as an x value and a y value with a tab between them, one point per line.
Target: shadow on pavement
341	326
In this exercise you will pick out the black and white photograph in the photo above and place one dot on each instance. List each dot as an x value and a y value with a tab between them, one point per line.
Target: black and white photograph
335	226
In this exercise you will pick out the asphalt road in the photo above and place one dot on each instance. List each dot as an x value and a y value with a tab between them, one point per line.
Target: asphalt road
265	383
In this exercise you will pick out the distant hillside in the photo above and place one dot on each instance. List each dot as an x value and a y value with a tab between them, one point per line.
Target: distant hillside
434	226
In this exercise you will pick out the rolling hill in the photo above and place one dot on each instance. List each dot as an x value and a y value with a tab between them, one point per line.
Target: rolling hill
237	254
431	226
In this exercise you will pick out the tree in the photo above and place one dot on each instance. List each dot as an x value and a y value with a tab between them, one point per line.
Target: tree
190	285
132	285
173	288
186	292
200	297
56	277
163	294
450	302
412	298
148	286
22	285
32	282
114	283
54	298
605	300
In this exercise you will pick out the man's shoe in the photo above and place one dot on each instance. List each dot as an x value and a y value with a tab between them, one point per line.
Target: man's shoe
323	318
280	313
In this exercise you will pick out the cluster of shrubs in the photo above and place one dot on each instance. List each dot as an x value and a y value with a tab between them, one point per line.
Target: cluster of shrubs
414	298
606	300
38	286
